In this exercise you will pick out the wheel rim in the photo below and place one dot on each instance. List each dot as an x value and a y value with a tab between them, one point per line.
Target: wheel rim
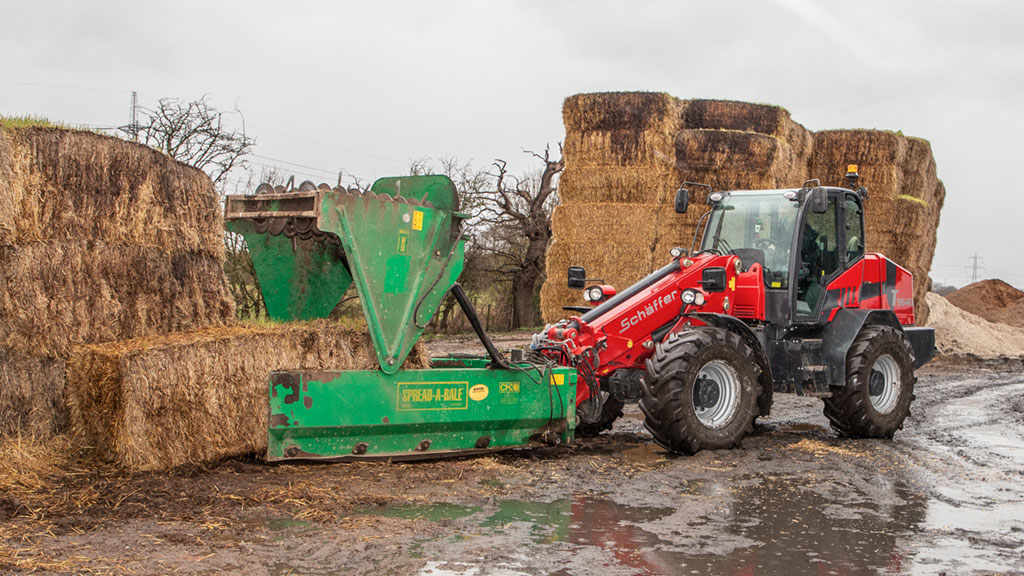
884	384
716	394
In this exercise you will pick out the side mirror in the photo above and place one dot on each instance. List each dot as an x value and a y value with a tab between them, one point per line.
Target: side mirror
682	200
818	200
577	277
713	279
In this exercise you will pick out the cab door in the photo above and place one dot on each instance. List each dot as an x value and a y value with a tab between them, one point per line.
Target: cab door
818	259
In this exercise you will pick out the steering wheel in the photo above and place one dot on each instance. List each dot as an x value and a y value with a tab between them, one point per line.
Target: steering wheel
764	244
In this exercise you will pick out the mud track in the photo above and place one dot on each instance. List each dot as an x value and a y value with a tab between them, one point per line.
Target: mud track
945	496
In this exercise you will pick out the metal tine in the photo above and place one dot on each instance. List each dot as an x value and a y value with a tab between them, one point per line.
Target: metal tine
307	186
280	189
265	188
324	186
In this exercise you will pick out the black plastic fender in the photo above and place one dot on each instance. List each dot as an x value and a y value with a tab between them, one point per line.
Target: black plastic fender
733	324
838	335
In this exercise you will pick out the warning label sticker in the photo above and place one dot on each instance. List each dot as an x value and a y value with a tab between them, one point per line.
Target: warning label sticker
433	395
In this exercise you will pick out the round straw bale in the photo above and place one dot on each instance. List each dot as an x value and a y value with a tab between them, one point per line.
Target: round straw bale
643	185
636	111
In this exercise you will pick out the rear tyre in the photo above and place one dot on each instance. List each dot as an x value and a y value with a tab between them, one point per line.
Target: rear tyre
879	385
611	410
700	391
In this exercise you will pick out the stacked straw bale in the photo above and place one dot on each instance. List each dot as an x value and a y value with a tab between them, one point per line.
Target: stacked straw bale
620	175
620	180
906	197
100	239
196	397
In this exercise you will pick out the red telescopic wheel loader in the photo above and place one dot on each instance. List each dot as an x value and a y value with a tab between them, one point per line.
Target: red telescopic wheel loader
780	296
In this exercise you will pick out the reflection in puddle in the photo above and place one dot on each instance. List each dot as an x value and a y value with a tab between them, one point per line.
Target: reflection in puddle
759	525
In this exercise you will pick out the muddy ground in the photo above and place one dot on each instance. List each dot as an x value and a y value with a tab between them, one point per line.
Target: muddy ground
944	497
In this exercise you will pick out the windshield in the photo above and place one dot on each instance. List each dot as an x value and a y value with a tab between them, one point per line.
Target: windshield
757	228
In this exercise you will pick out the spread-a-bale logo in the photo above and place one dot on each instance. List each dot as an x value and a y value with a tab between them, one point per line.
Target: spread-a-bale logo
652	307
478	392
432	395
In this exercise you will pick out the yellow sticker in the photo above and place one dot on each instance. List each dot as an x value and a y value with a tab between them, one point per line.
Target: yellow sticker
478	392
776	284
417	220
732	283
558	379
403	241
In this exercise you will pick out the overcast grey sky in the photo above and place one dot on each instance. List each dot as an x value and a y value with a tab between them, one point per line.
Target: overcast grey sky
366	86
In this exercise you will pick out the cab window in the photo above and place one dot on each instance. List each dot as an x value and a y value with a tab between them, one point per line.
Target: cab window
854	229
819	258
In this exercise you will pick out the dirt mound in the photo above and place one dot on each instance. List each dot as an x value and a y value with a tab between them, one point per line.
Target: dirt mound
960	332
993	300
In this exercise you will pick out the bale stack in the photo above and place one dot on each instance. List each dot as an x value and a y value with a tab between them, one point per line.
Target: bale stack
616	216
100	239
619	179
194	397
733	145
902	212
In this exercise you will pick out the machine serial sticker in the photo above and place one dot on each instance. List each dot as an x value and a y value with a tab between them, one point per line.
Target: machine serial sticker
433	396
403	241
478	392
417	220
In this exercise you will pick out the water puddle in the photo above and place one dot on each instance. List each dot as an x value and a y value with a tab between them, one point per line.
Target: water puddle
760	525
431	512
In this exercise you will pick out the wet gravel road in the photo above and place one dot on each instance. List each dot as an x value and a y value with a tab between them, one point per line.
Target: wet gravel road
946	496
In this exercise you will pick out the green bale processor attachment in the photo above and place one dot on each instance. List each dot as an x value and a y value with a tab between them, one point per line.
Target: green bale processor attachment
400	244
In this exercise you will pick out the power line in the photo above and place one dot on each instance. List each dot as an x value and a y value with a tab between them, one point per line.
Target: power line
63	86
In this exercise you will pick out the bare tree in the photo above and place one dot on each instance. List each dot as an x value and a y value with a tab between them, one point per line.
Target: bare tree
195	133
518	209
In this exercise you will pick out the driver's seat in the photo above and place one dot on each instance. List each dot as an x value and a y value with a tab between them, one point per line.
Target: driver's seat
749	257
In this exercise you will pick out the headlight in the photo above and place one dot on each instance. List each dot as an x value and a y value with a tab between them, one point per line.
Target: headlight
692	297
586	295
595	293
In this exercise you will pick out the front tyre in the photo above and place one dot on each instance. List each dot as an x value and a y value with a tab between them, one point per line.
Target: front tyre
879	385
700	391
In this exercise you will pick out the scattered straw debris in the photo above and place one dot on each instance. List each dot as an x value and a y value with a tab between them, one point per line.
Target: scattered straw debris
821	449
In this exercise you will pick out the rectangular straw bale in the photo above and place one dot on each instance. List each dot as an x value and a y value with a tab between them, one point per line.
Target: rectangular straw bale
8	204
643	185
54	296
835	149
627	223
748	117
195	397
636	111
62	185
919	177
675	230
617	263
731	160
31	395
649	148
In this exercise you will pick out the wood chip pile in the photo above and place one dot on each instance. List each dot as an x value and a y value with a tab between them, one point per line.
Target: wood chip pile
627	153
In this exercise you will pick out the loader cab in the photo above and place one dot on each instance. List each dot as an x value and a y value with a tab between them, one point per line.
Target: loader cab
802	240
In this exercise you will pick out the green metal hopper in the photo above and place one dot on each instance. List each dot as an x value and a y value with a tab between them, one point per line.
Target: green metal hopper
400	244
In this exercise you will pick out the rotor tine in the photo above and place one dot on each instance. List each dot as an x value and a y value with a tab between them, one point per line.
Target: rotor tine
280	189
307	186
323	186
265	188
290	184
